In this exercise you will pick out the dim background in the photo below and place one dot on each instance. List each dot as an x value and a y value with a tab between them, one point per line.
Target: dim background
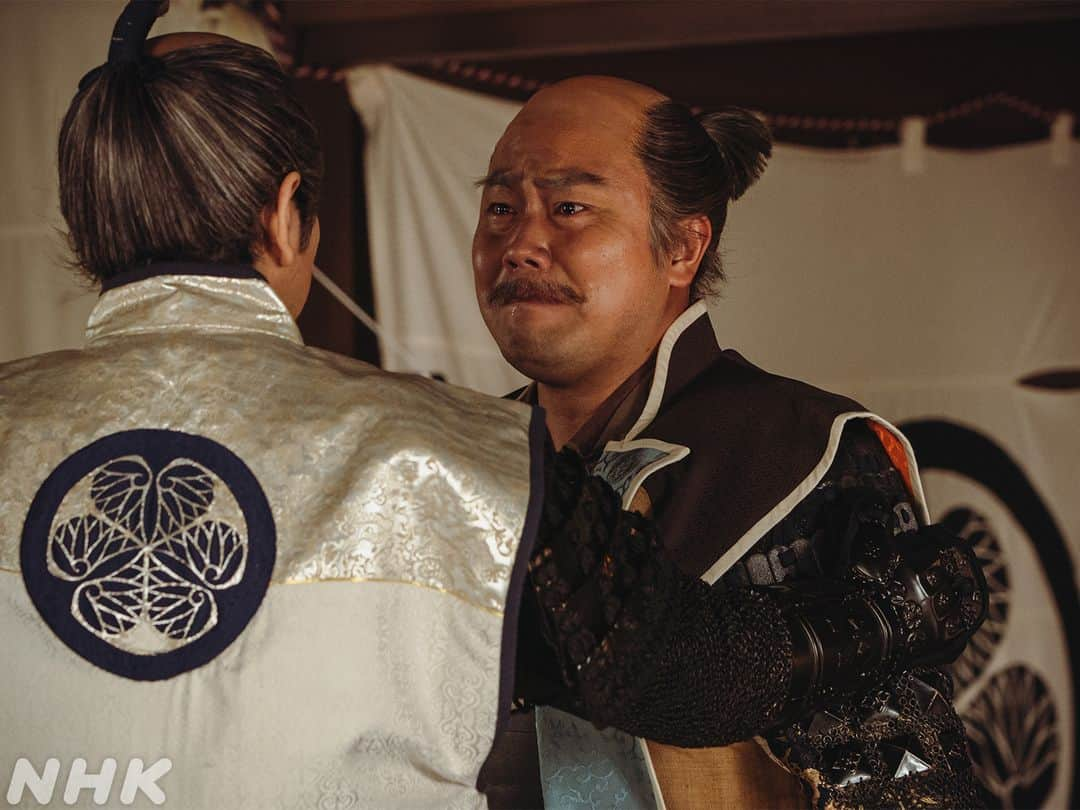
914	243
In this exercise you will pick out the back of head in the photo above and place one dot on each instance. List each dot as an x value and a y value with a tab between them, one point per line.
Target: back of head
175	157
697	165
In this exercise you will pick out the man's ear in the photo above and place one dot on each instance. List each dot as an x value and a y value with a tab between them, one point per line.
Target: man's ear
685	257
281	221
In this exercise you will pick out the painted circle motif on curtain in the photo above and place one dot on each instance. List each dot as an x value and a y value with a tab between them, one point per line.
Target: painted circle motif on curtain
148	552
1012	728
974	528
1013	681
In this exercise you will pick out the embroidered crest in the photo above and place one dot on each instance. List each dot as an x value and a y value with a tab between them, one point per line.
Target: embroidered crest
149	551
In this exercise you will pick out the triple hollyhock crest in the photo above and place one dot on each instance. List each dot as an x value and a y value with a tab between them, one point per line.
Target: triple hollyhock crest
149	552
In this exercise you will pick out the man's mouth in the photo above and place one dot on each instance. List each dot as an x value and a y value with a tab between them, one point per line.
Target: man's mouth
521	290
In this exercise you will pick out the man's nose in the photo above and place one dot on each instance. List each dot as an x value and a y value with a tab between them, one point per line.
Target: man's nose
530	247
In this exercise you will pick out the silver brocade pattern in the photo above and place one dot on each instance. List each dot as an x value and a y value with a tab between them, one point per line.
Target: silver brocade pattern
384	696
371	476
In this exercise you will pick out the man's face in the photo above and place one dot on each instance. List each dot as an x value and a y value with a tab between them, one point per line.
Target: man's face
565	274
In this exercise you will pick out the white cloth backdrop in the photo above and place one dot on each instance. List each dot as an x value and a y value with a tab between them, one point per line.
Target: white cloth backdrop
924	293
45	48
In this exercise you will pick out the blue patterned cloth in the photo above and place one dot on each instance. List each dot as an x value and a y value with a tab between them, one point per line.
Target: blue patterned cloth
583	768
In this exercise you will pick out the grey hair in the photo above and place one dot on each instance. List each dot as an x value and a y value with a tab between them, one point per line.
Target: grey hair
175	158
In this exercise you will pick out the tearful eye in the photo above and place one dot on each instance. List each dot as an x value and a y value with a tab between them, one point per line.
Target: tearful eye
568	209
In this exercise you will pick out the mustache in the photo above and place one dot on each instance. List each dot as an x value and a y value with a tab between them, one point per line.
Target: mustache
523	289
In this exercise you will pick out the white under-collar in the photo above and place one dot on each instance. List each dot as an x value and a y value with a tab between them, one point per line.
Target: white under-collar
663	360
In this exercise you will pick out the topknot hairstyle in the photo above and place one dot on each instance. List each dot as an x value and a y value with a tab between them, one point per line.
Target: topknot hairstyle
697	165
175	157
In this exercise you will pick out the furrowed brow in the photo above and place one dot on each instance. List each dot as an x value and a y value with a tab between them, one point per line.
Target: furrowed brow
571	177
498	178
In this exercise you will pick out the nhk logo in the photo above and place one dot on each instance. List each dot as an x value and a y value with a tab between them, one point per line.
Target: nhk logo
25	778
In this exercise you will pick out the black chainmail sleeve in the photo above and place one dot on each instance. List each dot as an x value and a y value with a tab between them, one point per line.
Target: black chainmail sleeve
634	643
639	645
902	744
